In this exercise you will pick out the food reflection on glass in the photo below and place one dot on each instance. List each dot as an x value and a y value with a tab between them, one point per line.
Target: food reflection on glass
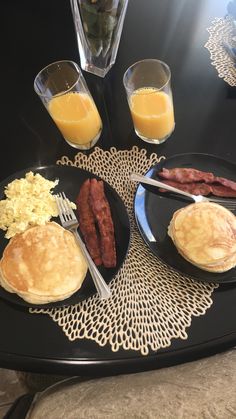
149	95
64	92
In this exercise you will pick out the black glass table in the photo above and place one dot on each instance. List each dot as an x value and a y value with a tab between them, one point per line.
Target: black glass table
173	31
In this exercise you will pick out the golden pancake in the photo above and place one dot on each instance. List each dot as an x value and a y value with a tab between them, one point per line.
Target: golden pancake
222	266
43	264
205	235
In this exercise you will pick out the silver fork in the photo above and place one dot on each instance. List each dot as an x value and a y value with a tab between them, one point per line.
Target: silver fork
227	203
70	222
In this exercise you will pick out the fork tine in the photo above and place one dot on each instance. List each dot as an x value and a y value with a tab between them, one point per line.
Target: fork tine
69	221
65	203
59	207
69	211
64	206
228	206
227	203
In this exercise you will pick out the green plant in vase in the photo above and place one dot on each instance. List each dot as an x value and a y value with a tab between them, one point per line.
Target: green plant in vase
100	18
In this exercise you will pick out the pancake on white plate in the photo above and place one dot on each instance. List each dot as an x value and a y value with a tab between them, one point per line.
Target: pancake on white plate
205	235
43	264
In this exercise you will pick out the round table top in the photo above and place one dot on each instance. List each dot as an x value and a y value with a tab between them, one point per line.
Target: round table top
174	32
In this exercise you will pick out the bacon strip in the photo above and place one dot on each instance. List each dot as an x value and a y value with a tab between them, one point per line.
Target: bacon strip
102	213
224	191
199	188
187	175
226	182
193	188
87	223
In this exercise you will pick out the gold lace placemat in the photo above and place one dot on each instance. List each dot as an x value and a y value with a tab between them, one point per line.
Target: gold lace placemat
222	29
151	303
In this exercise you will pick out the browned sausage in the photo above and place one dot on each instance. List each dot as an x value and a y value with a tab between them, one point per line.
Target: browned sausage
87	223
101	210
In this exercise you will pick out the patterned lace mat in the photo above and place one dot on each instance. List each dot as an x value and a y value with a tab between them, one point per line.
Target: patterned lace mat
151	303
222	29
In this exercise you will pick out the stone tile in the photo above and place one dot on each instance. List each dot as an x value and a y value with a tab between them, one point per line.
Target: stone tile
33	382
13	384
4	410
10	387
203	389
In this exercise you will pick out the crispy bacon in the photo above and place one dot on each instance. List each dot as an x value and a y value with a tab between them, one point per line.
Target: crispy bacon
87	223
193	188
226	182
199	188
102	213
189	175
218	186
220	190
186	175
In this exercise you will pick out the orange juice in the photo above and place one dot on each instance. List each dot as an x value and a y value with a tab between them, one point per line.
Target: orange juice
152	113
76	117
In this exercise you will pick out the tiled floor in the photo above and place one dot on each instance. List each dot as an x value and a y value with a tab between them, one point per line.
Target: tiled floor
13	385
10	389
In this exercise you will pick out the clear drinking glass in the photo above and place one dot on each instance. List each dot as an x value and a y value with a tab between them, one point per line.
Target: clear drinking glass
65	94
98	26
148	88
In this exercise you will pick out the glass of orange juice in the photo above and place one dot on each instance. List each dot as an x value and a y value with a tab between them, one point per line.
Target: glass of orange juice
65	94
148	88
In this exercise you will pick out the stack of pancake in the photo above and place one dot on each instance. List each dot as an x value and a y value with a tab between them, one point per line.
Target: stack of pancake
43	264
205	235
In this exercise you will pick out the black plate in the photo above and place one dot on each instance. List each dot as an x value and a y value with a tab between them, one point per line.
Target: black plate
154	210
70	180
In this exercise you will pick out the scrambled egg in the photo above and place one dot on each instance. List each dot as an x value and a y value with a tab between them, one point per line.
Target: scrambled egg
29	202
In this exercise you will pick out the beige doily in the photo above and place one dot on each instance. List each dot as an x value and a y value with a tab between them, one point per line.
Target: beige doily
151	303
222	29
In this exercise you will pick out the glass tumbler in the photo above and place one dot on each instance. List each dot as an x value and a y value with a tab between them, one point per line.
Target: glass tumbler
64	92
148	88
98	27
